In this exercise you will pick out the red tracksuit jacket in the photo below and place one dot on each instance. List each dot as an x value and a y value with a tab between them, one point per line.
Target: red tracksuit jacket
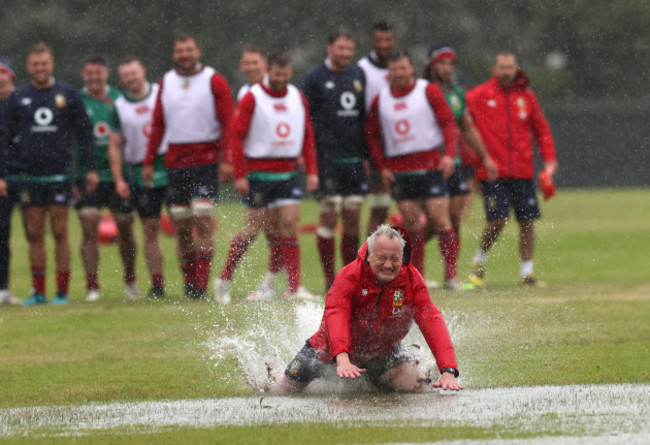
505	118
349	325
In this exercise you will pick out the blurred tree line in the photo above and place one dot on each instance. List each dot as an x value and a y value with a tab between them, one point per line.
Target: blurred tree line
570	48
588	61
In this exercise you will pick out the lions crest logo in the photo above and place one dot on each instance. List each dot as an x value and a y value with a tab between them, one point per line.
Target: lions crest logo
398	298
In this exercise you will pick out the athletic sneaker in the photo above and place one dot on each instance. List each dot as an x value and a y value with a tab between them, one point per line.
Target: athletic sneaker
6	297
156	293
222	291
92	295
532	281
188	288
61	298
301	294
477	275
431	284
131	291
453	284
264	292
35	299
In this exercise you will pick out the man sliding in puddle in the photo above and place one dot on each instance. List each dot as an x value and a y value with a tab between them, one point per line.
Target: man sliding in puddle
368	311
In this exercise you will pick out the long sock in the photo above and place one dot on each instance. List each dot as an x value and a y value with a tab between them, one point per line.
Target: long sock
62	281
202	265
526	268
91	281
187	266
349	247
417	250
449	248
38	280
326	251
129	275
291	261
275	255
158	281
480	257
238	248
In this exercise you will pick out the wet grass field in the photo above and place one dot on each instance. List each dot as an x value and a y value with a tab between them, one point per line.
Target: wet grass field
569	360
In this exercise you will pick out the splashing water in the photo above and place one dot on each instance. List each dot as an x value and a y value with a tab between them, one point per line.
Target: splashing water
269	341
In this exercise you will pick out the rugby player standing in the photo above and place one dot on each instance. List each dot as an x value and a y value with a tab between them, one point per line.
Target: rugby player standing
43	115
506	113
335	90
8	189
409	125
130	130
375	66
99	99
270	129
193	110
440	71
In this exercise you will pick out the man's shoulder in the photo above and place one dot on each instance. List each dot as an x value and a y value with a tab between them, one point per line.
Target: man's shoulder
317	72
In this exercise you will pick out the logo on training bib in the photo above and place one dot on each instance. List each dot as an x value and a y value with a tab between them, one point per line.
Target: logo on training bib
402	127
146	129
283	130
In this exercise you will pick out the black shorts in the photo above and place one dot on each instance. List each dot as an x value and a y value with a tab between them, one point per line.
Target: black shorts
44	194
416	186
457	183
306	366
103	196
188	184
342	178
270	193
148	201
499	196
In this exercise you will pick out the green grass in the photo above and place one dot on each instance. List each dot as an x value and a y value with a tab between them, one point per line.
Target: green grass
589	326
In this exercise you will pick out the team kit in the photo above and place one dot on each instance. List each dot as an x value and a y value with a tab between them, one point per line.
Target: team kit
349	133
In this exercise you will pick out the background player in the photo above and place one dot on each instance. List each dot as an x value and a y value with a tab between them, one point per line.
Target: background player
440	71
375	66
271	128
99	99
335	91
8	186
193	109
409	123
506	112
130	130
43	116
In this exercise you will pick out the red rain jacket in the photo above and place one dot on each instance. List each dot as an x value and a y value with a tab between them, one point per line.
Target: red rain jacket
368	320
505	119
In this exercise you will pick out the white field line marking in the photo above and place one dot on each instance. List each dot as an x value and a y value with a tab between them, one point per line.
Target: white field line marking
571	410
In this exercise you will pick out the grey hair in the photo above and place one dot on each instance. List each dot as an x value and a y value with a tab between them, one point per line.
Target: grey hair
388	232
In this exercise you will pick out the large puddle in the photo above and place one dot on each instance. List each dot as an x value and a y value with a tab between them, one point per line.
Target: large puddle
589	413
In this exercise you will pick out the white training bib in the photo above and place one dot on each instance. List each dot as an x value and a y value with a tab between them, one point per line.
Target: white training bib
376	79
188	105
135	121
277	128
408	123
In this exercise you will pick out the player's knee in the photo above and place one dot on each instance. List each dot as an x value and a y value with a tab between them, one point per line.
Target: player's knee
379	201
330	204
202	208
180	212
352	202
89	212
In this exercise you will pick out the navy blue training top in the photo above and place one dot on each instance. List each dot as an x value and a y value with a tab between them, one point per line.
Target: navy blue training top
337	106
42	124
